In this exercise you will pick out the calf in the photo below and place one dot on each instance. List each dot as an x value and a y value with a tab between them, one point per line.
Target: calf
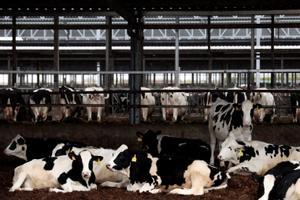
255	156
162	145
106	177
94	98
295	101
69	97
40	97
61	174
229	118
147	99
282	182
12	102
259	100
34	148
173	99
150	174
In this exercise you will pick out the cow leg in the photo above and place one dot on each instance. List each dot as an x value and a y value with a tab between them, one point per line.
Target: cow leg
133	187
245	167
144	114
89	113
269	181
115	184
213	140
99	113
18	181
146	187
175	114
163	110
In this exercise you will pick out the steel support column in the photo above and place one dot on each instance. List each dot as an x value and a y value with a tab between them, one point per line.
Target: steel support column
250	76
56	50
177	68
209	50
136	33
273	77
258	36
108	53
14	51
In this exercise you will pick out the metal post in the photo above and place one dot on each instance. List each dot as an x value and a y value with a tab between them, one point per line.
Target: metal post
209	51
282	74
56	49
273	78
250	76
258	36
14	50
177	68
108	53
136	33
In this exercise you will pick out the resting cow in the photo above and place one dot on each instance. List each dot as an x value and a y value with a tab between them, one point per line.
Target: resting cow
229	118
163	145
151	174
255	156
282	182
61	174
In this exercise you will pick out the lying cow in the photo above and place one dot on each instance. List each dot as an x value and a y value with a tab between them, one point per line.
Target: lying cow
295	101
61	174
163	145
40	97
147	99
11	102
255	156
69	97
34	148
282	182
225	118
94	98
173	99
151	174
106	177
259	100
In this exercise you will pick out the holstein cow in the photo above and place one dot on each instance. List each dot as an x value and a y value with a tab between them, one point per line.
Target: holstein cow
235	96
147	99
12	104
229	118
175	99
151	174
61	174
255	156
106	177
295	101
159	145
209	99
282	182
94	98
34	148
68	97
259	100
42	97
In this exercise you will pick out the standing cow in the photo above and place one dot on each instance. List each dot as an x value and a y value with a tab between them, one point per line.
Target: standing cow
94	98
42	98
68	96
259	100
12	103
229	118
295	101
173	99
147	99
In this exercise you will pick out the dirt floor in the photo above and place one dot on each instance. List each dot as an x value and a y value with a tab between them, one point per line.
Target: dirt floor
112	135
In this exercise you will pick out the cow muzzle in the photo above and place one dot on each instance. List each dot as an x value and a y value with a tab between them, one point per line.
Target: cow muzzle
86	175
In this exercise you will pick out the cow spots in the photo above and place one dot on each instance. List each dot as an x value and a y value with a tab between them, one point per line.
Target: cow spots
247	153
13	146
257	152
275	150
218	107
49	163
21	141
214	127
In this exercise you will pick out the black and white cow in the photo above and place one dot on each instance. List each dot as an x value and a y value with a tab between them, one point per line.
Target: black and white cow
12	104
255	156
208	99
147	99
42	97
229	118
106	177
235	96
295	101
69	97
173	99
34	148
282	182
259	100
151	174
163	145
61	174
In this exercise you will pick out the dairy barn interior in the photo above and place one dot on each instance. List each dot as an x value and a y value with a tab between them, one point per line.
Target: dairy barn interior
95	60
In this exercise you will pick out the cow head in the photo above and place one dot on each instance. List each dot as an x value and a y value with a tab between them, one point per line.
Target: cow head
121	160
17	147
246	109
149	141
83	162
230	150
258	113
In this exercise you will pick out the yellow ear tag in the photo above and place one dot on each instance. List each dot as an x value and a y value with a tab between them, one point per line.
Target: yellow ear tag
133	159
257	108
241	153
98	160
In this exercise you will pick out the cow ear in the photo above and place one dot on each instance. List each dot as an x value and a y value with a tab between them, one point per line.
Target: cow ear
97	158
72	155
140	136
